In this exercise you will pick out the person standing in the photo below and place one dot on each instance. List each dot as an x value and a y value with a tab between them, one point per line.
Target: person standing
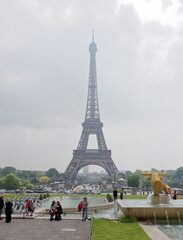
85	210
1	205
8	210
121	193
115	194
175	195
26	206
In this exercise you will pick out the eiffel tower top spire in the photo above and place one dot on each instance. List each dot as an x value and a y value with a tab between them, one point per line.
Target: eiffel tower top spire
92	108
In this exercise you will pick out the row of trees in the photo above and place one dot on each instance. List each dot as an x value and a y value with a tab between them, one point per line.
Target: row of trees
33	176
12	182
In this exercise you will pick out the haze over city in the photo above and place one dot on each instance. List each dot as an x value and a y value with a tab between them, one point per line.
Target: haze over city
44	68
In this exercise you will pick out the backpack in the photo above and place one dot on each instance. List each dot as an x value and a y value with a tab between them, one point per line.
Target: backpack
80	206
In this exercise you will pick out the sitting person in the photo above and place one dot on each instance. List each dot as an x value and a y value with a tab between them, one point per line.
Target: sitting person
53	210
31	207
58	212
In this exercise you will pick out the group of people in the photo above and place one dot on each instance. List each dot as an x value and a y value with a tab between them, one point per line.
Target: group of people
29	207
115	193
8	208
55	210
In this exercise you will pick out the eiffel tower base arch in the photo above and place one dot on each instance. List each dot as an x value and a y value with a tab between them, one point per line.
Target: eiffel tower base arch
81	159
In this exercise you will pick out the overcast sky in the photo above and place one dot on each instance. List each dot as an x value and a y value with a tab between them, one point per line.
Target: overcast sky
44	68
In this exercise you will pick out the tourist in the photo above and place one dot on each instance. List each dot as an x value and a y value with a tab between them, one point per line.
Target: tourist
8	210
53	210
115	194
175	195
26	206
31	207
1	205
58	212
85	210
121	193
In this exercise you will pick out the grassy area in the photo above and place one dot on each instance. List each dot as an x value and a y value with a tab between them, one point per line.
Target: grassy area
94	195
11	196
104	229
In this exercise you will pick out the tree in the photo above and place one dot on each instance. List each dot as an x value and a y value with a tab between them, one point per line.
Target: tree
127	173
1	183
28	185
52	172
11	182
146	184
179	173
0	172
44	179
133	180
7	170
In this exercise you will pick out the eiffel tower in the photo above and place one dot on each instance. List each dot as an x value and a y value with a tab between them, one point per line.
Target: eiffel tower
91	126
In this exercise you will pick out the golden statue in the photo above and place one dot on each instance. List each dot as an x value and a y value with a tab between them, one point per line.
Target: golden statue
156	183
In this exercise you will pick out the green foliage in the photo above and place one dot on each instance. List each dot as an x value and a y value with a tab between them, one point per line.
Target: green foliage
44	179
109	198
7	170
28	185
133	180
127	219
63	175
81	179
11	182
179	173
40	197
48	195
0	172
44	196
127	173
146	184
1	183
52	172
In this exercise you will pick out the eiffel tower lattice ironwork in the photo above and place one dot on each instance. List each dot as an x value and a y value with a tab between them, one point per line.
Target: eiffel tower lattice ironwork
91	126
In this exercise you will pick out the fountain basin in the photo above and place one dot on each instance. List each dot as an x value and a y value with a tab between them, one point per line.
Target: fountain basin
142	209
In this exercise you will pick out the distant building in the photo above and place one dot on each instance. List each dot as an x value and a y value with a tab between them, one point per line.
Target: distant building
86	170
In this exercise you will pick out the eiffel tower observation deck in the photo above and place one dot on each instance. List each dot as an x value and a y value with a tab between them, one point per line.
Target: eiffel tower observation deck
91	126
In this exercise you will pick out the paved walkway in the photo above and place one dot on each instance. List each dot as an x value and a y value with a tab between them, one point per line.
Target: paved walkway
34	229
153	232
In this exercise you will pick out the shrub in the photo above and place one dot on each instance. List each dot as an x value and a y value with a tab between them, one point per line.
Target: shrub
40	197
127	219
48	195
109	198
44	196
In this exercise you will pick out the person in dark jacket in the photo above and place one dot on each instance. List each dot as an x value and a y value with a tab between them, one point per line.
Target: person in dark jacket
1	205
115	194
8	210
58	212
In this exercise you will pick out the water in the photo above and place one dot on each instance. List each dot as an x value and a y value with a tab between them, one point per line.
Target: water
167	218
178	217
109	213
154	217
174	232
145	203
73	201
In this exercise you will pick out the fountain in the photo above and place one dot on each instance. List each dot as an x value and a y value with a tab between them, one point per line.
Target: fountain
178	217
154	218
167	218
158	203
